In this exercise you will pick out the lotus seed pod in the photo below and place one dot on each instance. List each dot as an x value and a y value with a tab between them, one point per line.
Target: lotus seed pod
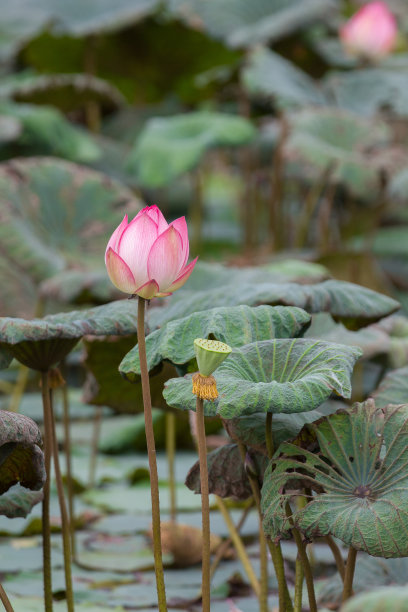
210	354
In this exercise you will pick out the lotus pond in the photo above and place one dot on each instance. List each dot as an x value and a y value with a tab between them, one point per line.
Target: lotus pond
203	306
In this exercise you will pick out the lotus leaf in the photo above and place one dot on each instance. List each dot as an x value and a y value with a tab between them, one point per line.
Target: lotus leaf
235	326
273	376
359	477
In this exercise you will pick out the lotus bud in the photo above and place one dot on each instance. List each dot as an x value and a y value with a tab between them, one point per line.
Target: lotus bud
209	354
148	257
371	33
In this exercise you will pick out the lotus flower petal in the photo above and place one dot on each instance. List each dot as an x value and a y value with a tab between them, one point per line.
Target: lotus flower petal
371	32
165	258
119	272
148	290
179	282
135	244
114	239
181	226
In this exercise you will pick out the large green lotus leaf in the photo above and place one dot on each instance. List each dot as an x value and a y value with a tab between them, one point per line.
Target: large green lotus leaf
387	242
18	501
68	92
386	599
227	476
21	458
359	475
46	130
104	384
273	376
235	326
393	388
170	146
56	215
240	24
352	304
251	429
370	90
40	343
322	138
270	76
10	129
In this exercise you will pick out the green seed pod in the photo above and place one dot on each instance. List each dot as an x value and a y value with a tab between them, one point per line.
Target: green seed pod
210	354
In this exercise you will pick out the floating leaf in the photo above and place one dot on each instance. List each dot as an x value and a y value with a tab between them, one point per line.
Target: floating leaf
66	92
170	146
19	501
40	343
270	76
359	477
370	90
226	473
323	138
352	304
242	25
273	376
387	599
55	215
235	326
21	458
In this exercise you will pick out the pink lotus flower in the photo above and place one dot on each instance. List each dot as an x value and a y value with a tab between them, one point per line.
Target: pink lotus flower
148	256
371	32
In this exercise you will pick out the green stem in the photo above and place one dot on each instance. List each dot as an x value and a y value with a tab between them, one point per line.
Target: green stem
66	531
221	550
170	451
151	451
337	555
5	600
205	505
239	546
268	435
305	563
97	421
285	604
46	531
299	575
68	467
349	574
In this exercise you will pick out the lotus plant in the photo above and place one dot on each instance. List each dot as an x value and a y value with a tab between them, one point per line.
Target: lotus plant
371	33
148	258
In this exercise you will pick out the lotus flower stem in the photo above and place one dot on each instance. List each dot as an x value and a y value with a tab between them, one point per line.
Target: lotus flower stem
239	546
307	570
285	604
170	451
151	451
337	555
66	531
205	504
46	499
97	421
299	575
5	600
68	467
349	574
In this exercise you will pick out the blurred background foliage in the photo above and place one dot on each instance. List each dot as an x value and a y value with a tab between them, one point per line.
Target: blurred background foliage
284	152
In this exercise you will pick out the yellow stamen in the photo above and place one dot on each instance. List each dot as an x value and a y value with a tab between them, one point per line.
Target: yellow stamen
204	387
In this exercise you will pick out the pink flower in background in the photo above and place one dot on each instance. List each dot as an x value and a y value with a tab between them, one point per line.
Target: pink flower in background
148	256
371	32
